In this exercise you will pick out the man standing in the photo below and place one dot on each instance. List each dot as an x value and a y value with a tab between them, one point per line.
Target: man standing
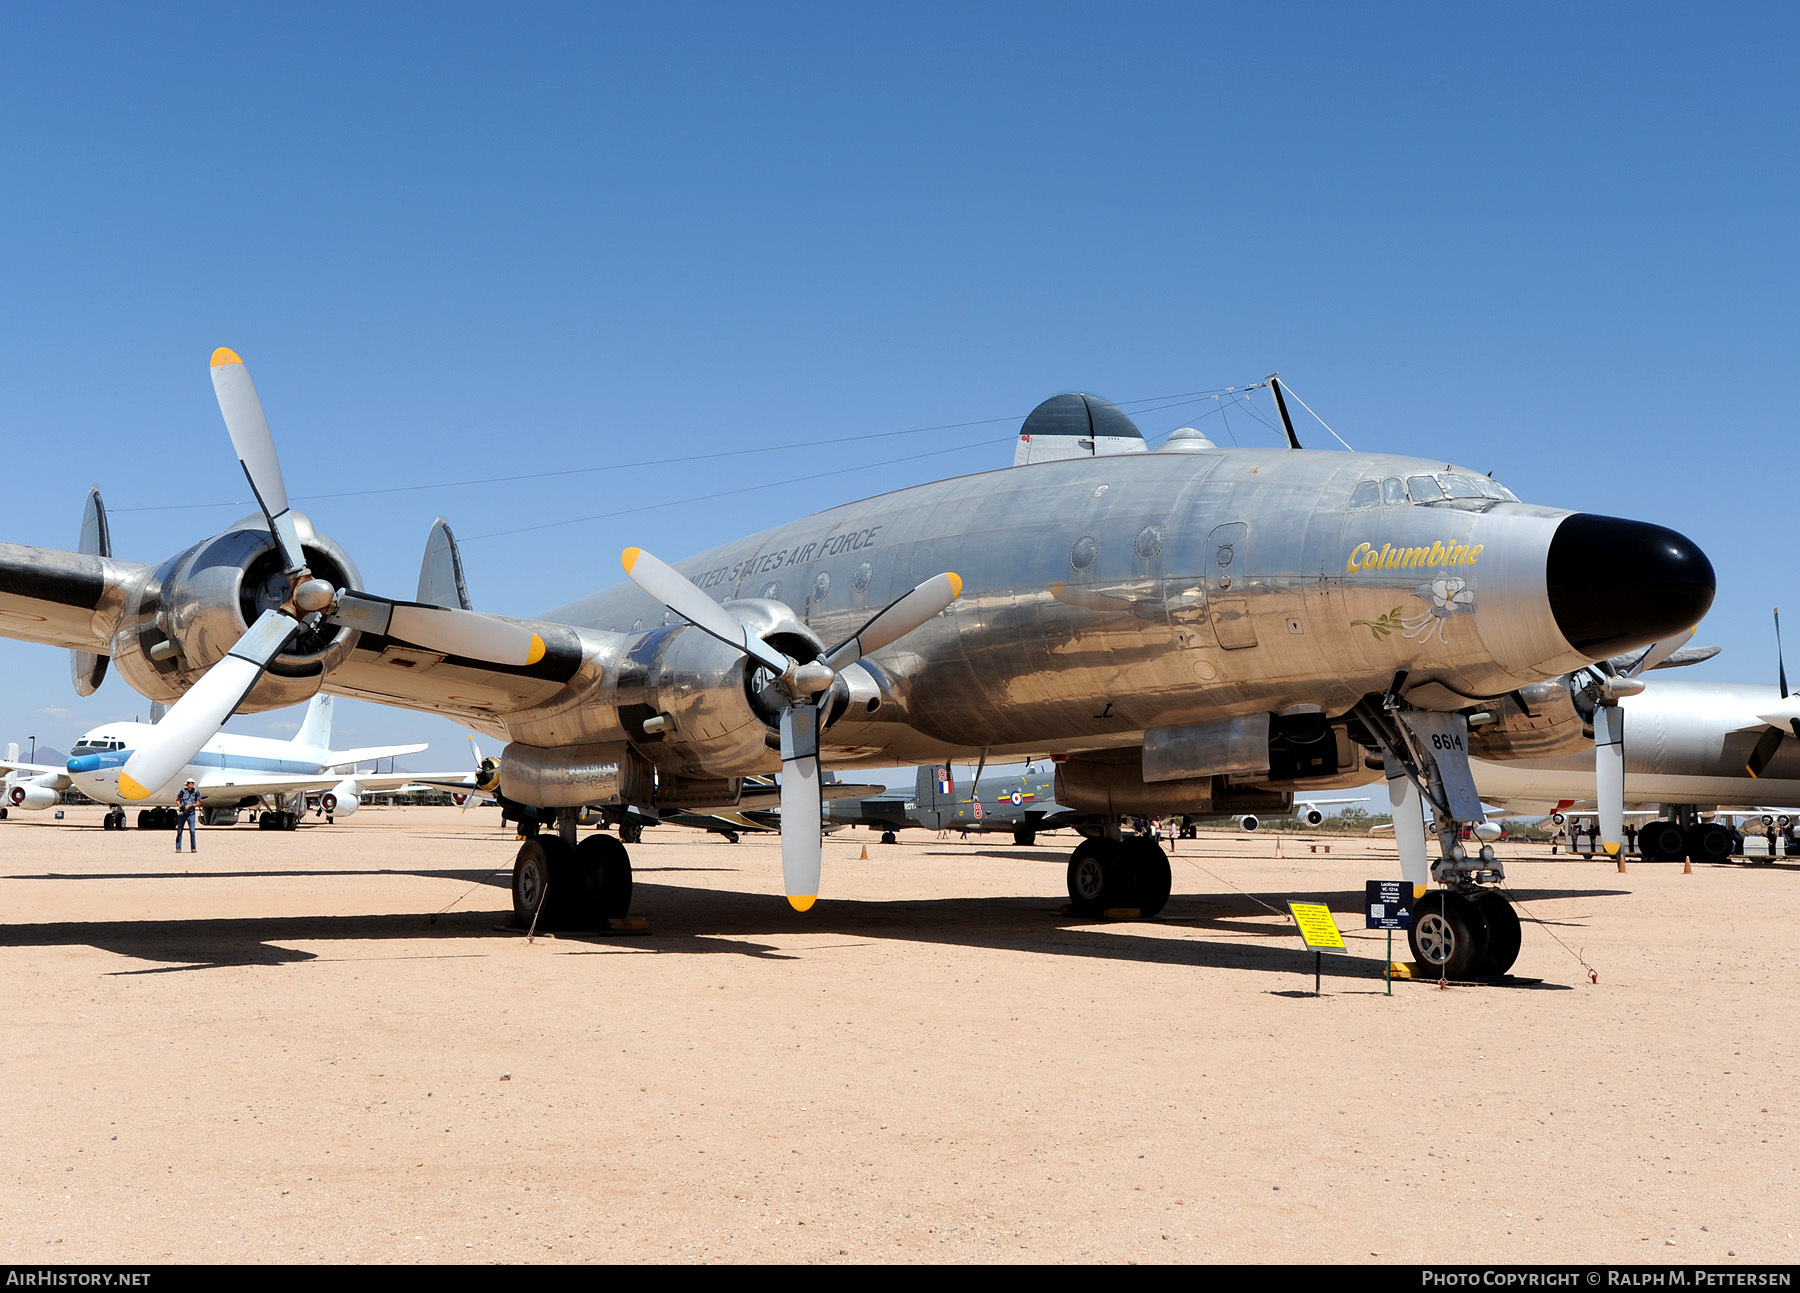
186	803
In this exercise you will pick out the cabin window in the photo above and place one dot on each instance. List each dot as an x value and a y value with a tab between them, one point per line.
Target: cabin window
1393	494
1459	487
1366	494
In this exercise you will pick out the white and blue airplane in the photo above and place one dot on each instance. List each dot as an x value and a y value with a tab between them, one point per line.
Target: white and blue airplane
231	772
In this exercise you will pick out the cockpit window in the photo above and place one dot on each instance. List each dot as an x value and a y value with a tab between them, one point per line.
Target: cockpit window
1424	489
1493	489
1392	493
1366	494
1459	487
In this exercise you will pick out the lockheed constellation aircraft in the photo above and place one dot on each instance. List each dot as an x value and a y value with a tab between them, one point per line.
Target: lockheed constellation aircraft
1183	627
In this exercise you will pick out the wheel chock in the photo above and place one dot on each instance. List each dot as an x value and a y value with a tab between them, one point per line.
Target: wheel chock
1121	913
1399	970
628	925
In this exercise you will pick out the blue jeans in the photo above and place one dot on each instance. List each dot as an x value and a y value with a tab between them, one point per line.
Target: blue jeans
186	819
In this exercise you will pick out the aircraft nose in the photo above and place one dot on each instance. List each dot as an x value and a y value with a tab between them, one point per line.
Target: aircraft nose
1617	585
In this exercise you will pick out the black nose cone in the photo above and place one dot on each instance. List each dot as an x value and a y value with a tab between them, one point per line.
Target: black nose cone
1618	585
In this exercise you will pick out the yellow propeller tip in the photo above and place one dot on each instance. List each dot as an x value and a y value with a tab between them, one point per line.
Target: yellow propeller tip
1418	892
537	650
130	789
223	356
802	901
1612	850
629	558
955	584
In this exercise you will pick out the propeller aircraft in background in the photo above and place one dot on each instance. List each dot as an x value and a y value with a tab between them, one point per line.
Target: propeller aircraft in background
1183	630
1681	749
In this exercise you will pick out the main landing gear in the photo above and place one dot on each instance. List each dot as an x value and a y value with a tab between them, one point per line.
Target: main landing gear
562	886
1465	935
1105	874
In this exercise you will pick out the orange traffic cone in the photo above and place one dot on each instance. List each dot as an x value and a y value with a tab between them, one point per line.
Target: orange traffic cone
865	854
1687	866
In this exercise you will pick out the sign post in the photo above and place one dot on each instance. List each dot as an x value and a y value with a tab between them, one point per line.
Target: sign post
1320	932
1388	905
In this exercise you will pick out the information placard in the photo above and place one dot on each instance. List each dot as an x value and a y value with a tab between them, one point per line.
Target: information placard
1387	904
1317	927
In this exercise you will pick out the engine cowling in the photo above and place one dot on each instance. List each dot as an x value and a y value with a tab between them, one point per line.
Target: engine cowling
342	799
1313	816
709	712
1554	726
1248	822
31	798
184	616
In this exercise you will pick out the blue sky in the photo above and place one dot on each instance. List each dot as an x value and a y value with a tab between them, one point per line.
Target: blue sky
461	243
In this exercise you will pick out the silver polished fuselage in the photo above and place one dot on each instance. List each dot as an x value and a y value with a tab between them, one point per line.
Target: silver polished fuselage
1685	743
1106	596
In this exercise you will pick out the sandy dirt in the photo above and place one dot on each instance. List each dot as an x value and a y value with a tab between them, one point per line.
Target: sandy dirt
271	1051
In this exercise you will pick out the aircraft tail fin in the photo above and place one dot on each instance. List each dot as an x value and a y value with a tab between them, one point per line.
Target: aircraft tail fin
12	751
441	580
315	728
157	710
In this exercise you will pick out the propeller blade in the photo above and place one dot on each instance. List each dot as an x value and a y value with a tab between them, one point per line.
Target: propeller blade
1609	775
1660	651
1780	656
1409	828
468	634
197	717
255	447
895	620
676	591
1766	745
802	807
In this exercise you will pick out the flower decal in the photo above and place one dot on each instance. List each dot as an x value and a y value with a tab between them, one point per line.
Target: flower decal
1448	595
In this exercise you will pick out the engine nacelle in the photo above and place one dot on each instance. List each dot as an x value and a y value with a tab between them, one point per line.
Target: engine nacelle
22	794
183	617
712	713
1313	816
1247	822
342	799
1555	725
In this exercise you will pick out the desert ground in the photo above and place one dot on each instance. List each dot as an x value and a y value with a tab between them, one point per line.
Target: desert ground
325	1045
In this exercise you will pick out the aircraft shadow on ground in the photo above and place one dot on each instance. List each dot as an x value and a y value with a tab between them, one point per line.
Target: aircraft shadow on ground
703	921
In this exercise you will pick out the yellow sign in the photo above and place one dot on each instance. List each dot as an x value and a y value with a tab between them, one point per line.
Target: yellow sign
1317	927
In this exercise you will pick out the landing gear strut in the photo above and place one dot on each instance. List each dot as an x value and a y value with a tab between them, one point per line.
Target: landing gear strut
1108	874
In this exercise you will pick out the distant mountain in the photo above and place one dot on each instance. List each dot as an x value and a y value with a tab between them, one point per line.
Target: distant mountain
47	755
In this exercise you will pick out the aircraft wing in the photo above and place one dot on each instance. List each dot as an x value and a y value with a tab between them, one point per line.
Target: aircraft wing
37	769
66	599
243	783
349	758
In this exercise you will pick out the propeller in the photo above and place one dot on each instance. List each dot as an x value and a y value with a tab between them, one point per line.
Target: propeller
198	716
802	683
1606	685
1783	716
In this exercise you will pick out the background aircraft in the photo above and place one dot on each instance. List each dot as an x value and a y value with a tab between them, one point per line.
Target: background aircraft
230	771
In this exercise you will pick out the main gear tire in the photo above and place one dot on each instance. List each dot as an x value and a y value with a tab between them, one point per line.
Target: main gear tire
1505	934
1661	841
1711	843
1147	876
1449	935
1095	877
603	876
543	882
